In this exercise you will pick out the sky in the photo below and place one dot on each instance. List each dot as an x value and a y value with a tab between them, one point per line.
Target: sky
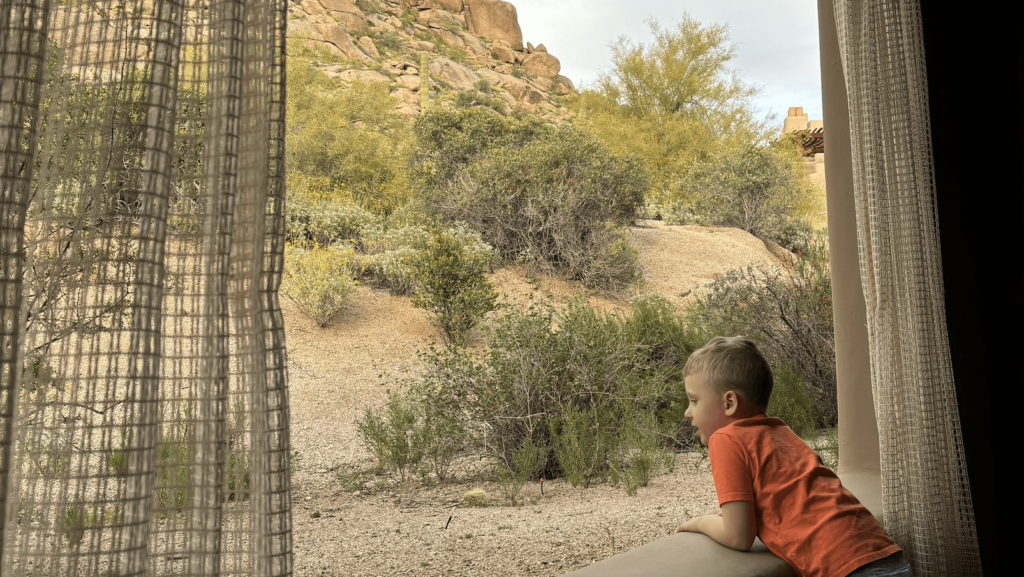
776	42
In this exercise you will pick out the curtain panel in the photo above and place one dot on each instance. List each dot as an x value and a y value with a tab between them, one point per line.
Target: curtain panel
143	390
925	488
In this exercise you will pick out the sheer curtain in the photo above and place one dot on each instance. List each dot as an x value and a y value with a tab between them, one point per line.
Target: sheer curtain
143	400
925	489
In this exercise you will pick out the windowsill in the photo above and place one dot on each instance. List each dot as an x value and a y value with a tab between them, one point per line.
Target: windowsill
696	555
690	555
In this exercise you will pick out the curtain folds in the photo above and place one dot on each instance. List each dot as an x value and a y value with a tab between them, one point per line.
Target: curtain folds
143	387
925	488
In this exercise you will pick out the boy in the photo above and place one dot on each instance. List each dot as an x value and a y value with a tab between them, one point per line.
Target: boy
769	482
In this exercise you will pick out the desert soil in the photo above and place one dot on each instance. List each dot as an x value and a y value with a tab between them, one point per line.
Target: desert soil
387	527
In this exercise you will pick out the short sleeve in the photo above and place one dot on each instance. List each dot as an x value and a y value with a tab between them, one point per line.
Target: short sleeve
733	480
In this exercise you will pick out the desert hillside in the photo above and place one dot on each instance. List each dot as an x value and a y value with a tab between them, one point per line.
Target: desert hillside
465	42
338	371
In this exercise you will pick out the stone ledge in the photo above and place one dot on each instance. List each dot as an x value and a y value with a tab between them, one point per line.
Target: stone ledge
690	555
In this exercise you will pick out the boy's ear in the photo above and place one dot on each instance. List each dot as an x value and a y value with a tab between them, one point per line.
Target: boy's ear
732	403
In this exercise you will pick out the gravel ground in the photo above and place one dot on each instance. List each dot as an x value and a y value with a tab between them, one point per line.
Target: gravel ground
384	527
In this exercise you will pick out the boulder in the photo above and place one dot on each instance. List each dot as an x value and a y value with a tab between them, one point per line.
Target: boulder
515	87
473	44
312	7
492	77
406	96
494	20
371	49
455	74
542	64
563	85
380	21
529	48
408	111
302	28
363	75
423	45
345	12
502	54
454	6
441	19
540	48
453	40
412	82
337	36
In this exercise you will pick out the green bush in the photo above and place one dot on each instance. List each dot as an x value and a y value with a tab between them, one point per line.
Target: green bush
788	313
452	285
594	395
352	137
790	401
573	381
639	456
760	190
405	433
526	461
322	220
318	279
551	196
395	270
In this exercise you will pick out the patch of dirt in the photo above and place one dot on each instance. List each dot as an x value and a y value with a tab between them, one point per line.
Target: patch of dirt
336	372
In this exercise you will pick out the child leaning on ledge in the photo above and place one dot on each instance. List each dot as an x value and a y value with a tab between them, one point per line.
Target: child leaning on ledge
769	482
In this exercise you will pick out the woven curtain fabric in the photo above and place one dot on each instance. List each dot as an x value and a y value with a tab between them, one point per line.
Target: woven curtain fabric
925	490
143	392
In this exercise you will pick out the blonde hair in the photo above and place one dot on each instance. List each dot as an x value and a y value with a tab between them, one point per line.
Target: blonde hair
734	364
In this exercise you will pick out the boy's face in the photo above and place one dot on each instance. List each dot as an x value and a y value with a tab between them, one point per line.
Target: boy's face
708	410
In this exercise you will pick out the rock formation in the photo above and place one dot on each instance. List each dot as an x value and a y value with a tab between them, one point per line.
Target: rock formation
462	41
494	20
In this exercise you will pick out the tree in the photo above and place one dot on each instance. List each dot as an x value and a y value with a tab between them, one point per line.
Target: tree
672	102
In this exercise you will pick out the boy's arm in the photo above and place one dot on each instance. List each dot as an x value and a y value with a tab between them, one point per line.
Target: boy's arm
735	527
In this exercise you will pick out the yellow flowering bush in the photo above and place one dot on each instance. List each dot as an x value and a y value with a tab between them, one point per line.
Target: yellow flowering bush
319	279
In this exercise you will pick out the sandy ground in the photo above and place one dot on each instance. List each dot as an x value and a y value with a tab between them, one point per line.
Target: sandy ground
382	526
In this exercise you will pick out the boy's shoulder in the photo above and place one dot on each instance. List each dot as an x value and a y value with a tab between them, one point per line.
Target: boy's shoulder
759	434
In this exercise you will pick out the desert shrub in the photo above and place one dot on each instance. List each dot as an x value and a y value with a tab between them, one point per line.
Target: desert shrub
318	279
582	441
557	199
452	285
395	270
389	435
571	381
317	215
639	455
526	461
758	189
789	314
790	401
448	140
594	395
405	432
352	137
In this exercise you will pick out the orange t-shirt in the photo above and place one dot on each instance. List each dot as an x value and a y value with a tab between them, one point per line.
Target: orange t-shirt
804	515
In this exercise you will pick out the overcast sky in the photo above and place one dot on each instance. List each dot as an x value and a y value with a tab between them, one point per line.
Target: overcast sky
777	41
